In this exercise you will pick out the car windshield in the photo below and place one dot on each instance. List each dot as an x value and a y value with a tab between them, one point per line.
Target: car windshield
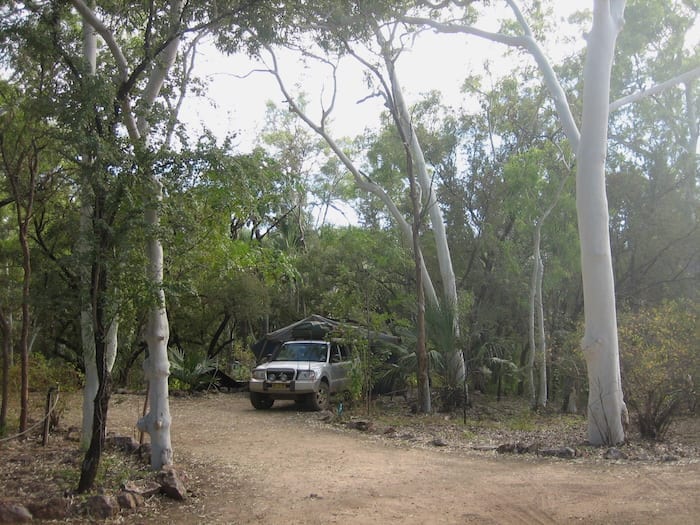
302	352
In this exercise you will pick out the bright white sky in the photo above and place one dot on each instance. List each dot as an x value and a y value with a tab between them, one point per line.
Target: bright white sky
436	62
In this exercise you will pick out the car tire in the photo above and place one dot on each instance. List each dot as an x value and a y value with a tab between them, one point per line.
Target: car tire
261	401
320	400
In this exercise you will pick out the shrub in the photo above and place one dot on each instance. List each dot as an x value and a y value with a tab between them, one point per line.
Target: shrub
243	361
659	363
44	373
190	370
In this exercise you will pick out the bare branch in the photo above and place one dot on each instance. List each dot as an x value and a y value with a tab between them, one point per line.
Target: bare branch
362	181
106	34
526	42
634	97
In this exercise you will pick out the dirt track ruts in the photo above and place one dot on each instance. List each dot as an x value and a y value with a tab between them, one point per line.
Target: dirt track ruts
282	467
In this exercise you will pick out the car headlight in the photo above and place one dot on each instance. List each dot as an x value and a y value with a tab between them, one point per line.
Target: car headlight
259	374
306	375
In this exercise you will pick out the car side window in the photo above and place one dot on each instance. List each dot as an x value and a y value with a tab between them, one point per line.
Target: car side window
345	352
336	355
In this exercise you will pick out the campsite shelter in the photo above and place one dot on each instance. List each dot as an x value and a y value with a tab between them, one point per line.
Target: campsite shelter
314	327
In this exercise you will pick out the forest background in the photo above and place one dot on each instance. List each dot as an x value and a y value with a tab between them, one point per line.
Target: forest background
248	244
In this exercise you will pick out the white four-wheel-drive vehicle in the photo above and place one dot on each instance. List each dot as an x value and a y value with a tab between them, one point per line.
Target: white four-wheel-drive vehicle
308	372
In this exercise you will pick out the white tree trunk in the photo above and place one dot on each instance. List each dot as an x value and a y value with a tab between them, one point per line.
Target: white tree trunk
537	309
538	347
606	407
427	187
83	248
531	325
542	396
156	368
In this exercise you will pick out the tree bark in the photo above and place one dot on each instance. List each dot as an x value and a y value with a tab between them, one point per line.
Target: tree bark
156	366
92	381
91	461
424	397
537	310
533	318
85	256
6	330
542	395
606	407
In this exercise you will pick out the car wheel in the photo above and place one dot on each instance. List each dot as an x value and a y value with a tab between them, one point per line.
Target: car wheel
261	401
320	399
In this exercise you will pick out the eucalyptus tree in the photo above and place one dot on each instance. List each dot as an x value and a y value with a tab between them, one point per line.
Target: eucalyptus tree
606	407
364	34
135	64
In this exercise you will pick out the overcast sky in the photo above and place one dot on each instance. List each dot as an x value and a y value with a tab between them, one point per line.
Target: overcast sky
435	62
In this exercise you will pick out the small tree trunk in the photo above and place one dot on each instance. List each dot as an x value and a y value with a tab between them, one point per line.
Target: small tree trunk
424	401
531	325
91	376
24	337
542	397
91	461
91	379
6	345
425	405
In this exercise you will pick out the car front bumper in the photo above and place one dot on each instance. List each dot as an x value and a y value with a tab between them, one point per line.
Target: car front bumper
283	389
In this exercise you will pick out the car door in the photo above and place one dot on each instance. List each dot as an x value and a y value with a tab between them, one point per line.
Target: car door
340	371
340	364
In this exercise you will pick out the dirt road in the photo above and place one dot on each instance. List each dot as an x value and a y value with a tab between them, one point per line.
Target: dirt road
284	467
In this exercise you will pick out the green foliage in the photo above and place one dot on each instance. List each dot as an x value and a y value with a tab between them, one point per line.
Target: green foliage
403	369
240	246
567	374
660	362
45	373
348	272
368	362
189	369
243	361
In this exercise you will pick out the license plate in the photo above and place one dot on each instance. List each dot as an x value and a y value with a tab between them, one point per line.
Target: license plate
278	386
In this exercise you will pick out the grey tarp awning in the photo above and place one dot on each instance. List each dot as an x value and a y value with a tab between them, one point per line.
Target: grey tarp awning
312	327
